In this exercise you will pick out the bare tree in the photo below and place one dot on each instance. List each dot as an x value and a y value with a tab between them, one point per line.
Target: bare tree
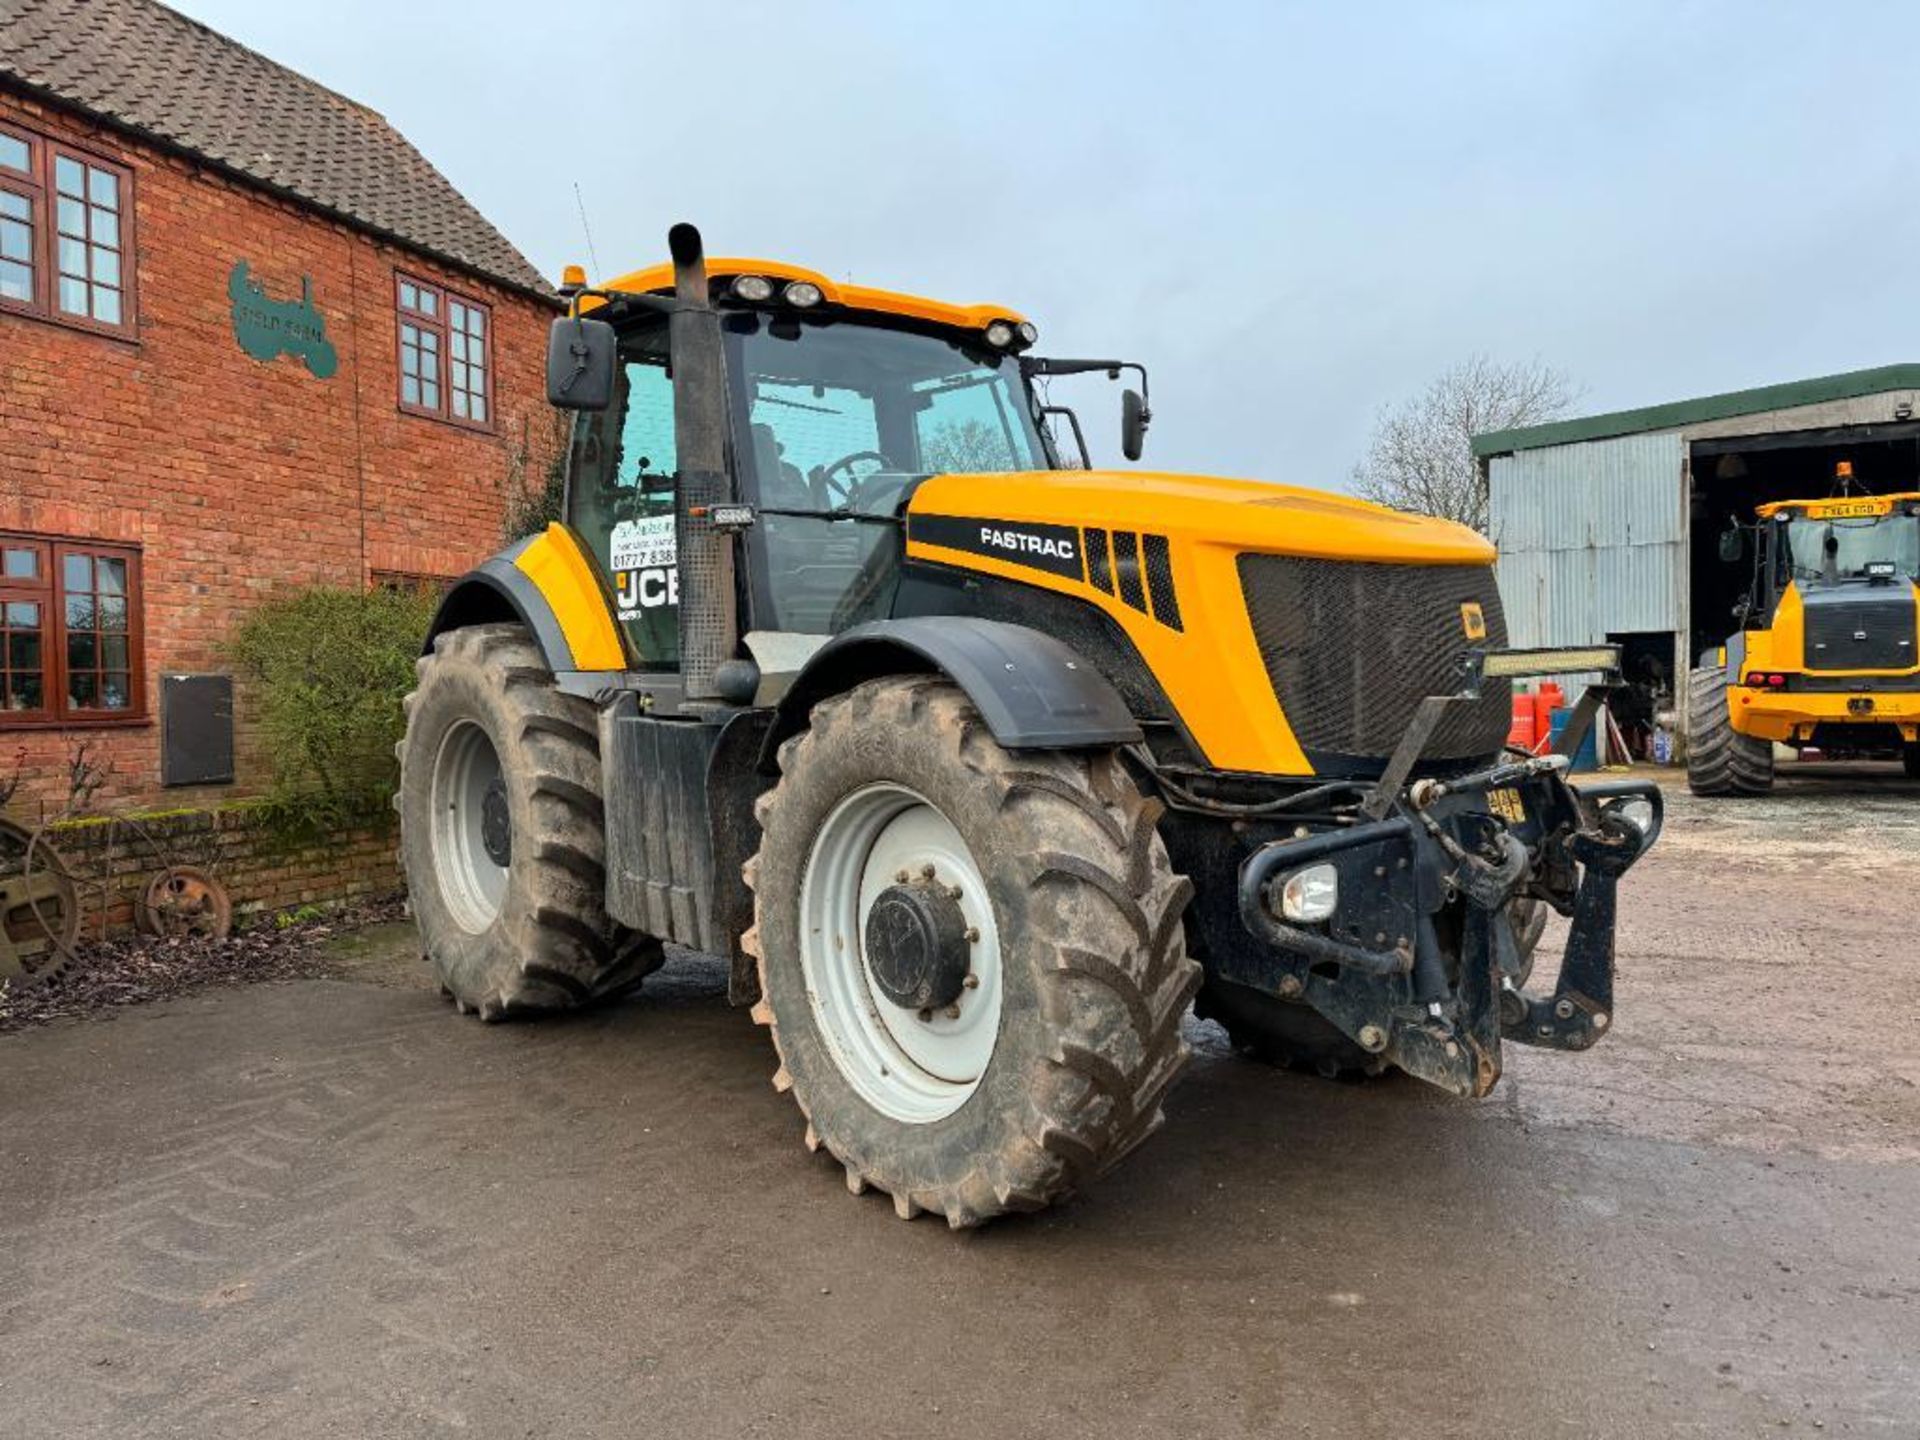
1421	455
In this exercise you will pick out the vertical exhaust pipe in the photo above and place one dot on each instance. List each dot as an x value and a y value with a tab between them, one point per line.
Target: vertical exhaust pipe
709	618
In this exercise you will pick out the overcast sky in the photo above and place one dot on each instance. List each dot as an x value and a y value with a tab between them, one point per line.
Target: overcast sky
1293	214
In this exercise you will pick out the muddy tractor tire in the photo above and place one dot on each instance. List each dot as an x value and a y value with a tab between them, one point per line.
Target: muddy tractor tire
1720	760
972	962
502	832
1293	1036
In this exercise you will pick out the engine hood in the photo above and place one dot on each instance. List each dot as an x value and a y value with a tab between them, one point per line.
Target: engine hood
1206	510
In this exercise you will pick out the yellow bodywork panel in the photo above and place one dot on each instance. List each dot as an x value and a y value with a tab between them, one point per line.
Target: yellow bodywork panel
565	577
1210	669
1839	507
854	297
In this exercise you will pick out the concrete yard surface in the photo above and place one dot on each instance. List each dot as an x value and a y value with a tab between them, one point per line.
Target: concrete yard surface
333	1208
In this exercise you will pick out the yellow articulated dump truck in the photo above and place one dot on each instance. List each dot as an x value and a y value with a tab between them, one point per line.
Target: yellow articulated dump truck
979	766
1825	655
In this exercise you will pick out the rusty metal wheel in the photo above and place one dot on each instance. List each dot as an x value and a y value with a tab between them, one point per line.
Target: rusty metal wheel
39	909
185	900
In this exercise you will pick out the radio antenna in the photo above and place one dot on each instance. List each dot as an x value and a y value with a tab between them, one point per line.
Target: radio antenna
586	229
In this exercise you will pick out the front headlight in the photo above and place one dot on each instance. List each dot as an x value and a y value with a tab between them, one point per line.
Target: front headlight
1637	813
1311	895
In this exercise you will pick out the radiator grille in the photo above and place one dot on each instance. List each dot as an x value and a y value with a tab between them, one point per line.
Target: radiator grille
1351	649
1875	634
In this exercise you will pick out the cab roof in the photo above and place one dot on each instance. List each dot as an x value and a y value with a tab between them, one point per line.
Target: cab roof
853	297
1838	506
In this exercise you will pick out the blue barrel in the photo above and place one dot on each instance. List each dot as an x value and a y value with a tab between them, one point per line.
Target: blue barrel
1587	757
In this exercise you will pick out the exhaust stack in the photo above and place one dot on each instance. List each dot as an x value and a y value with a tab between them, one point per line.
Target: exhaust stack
709	619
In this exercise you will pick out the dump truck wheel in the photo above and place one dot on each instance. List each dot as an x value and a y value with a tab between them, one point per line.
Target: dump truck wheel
972	962
1293	1036
1720	760
502	832
1910	757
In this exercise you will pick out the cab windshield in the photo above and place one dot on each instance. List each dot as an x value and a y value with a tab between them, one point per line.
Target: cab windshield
840	416
1825	551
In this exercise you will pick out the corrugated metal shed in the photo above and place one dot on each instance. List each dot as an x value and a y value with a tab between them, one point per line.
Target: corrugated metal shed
1592	538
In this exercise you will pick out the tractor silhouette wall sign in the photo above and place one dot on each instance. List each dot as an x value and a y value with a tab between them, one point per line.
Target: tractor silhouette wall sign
267	328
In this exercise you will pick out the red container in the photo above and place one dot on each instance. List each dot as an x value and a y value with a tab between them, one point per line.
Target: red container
1547	699
1524	734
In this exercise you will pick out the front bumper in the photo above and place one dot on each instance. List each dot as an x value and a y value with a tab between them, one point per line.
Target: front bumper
1792	712
1419	964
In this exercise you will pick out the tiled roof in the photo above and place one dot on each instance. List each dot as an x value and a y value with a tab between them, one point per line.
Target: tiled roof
150	69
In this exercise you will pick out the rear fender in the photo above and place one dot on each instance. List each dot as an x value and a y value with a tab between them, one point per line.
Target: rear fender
548	584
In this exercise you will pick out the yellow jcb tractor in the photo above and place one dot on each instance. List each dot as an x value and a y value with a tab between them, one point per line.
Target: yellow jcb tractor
1825	655
978	767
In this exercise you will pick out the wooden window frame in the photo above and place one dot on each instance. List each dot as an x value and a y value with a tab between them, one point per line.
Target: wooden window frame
49	591
439	324
36	184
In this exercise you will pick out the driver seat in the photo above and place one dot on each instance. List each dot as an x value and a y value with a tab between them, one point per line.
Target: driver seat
782	486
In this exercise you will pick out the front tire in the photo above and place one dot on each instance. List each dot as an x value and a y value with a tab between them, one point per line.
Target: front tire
1720	760
1041	878
502	832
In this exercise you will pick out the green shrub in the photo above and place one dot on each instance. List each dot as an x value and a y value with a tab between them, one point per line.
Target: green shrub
330	667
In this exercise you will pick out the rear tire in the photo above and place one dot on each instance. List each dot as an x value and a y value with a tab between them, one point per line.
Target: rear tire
1720	760
1910	758
502	832
1072	912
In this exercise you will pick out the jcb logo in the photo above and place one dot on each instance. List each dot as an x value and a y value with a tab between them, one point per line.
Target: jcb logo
1473	620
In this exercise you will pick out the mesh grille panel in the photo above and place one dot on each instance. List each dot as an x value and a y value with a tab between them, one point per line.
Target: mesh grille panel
1352	649
1832	625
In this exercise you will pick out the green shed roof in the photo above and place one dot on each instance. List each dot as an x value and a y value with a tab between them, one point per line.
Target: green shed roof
1677	413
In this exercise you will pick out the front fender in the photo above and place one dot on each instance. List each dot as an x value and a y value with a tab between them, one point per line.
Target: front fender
1034	692
546	583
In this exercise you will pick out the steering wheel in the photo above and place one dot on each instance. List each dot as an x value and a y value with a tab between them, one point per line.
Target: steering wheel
832	494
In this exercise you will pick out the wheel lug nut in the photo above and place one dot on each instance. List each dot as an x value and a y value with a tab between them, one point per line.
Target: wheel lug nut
953	1012
900	877
926	872
926	1015
972	982
973	935
953	892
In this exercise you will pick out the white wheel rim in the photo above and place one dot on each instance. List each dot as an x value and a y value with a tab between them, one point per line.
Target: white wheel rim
472	883
912	1069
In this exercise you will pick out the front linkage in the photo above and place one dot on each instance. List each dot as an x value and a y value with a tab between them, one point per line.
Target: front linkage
1425	973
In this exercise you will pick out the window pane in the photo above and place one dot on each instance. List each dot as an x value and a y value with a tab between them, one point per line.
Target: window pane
72	217
26	693
106	229
81	691
457	345
430	395
77	573
16	281
459	400
429	303
409	297
73	257
409	360
480	408
456	315
459	376
16	240
67	176
82	652
113	652
113	612
13	152
106	305
24	614
23	650
21	564
110	575
103	188
476	322
106	267
79	610
116	693
410	389
73	295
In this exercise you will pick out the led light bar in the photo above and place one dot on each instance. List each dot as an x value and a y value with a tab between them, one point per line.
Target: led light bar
1575	660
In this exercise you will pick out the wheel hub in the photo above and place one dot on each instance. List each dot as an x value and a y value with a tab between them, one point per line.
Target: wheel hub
496	824
916	945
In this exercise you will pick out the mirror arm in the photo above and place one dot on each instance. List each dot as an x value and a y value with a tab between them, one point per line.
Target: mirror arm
659	304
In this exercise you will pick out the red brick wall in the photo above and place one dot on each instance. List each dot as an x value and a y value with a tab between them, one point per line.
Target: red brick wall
239	478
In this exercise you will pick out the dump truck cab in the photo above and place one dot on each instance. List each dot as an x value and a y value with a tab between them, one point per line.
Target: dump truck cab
977	762
1826	655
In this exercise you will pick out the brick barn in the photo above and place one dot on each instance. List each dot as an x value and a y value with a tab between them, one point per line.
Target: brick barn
250	339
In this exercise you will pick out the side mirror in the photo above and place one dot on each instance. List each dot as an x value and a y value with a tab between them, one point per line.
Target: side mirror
1134	419
1733	543
580	364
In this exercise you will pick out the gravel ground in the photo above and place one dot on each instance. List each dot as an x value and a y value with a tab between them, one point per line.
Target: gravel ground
328	1207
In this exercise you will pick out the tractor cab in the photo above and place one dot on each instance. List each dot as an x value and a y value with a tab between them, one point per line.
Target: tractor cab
839	401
